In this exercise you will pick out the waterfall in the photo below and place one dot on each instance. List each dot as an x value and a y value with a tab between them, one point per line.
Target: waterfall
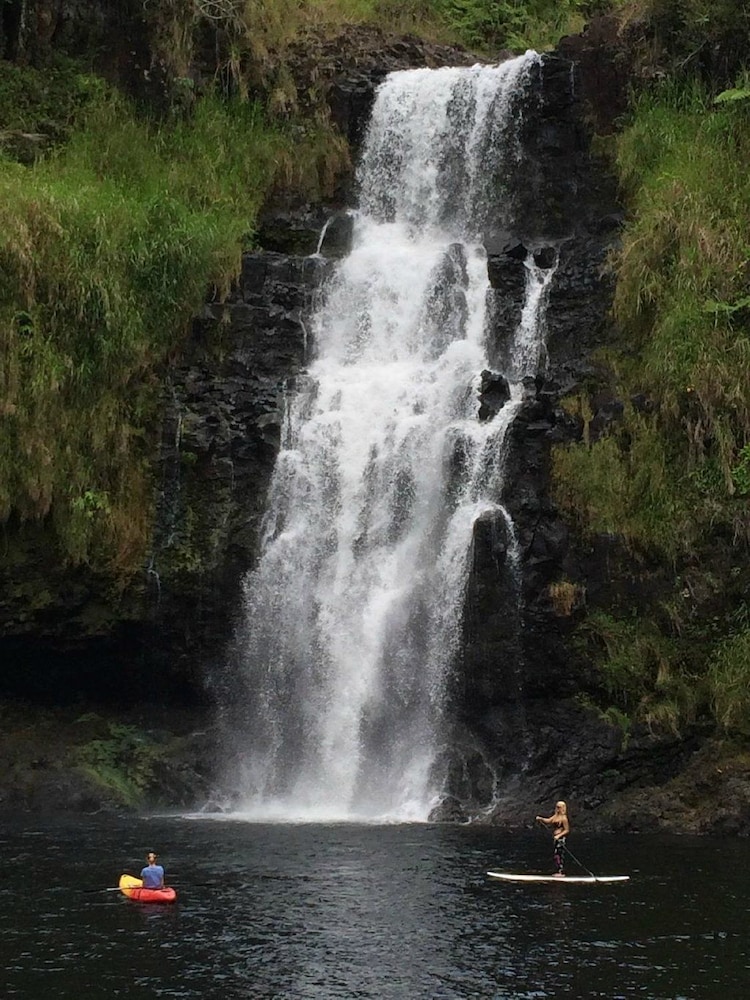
352	617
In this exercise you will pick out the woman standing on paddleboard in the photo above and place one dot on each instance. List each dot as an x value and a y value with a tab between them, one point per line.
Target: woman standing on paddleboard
558	820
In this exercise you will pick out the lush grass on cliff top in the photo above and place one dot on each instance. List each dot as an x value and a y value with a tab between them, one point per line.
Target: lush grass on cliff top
254	29
108	247
680	467
673	478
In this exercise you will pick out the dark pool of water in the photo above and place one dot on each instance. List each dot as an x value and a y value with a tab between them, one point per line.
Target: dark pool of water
391	913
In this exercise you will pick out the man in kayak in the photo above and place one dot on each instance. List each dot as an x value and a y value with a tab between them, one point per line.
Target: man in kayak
152	874
561	828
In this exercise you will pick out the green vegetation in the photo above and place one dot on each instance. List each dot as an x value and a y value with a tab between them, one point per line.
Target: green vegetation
665	478
655	670
125	761
650	676
672	477
37	106
253	31
623	485
57	758
729	679
513	24
108	246
705	37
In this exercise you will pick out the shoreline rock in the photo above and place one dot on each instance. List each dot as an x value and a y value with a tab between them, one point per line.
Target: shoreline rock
609	789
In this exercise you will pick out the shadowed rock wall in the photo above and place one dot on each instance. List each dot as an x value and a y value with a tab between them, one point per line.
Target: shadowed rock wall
517	667
67	634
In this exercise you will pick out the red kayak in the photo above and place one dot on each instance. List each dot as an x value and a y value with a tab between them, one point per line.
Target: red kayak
133	889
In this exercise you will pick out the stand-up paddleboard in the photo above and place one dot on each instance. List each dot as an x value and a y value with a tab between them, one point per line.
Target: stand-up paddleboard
510	877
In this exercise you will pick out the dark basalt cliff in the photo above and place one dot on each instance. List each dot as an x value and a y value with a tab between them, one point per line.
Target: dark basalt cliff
71	636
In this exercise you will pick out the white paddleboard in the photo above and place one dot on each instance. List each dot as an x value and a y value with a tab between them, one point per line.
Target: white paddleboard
510	877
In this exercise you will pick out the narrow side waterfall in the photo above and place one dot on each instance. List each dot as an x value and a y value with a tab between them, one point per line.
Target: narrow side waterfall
353	615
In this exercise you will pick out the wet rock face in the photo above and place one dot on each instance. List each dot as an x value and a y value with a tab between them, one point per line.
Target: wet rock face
542	751
584	211
64	635
323	229
222	423
347	68
494	393
516	662
605	61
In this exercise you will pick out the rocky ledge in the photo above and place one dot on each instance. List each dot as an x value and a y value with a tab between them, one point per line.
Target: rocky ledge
84	761
90	759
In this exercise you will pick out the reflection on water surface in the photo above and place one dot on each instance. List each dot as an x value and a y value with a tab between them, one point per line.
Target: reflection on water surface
350	911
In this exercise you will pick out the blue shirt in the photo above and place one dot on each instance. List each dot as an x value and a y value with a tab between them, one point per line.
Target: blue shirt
153	877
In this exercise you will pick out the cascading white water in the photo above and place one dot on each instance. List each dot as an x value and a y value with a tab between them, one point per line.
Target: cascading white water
353	615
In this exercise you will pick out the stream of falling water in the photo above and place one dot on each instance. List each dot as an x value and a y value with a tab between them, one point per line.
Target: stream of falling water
353	614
